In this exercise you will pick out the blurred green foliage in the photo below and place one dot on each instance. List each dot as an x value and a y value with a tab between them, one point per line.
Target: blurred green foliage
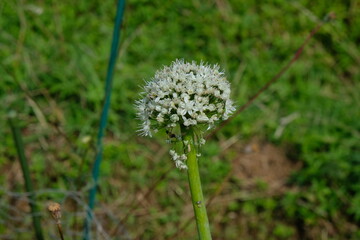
53	60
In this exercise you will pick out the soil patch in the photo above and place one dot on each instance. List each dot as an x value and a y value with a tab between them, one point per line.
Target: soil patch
263	162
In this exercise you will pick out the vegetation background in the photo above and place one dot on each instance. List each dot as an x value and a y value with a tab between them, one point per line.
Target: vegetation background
286	168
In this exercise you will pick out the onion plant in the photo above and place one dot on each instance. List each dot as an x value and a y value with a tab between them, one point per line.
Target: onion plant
186	99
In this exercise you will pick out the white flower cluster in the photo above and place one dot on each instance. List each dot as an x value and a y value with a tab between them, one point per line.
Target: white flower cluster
184	94
178	159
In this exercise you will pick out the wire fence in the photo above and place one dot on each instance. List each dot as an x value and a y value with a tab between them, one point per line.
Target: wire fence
16	217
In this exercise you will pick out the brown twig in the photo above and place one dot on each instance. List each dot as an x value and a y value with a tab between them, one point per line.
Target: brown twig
220	188
296	56
55	210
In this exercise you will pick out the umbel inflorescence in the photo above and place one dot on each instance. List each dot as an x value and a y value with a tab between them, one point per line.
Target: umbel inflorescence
184	94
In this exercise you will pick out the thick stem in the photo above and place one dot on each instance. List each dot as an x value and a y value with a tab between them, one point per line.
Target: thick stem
197	197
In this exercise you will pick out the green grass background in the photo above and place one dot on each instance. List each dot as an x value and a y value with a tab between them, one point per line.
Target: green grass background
54	57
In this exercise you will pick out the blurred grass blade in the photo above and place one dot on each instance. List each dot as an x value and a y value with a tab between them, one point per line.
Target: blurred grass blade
104	114
26	173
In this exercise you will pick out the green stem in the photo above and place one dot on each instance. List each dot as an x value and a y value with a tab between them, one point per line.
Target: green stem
197	197
26	173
